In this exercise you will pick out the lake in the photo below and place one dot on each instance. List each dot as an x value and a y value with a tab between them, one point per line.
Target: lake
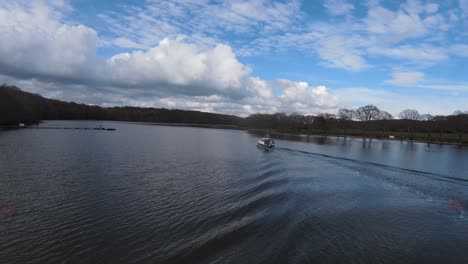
161	194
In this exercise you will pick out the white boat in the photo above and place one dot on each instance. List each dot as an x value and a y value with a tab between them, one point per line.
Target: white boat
266	143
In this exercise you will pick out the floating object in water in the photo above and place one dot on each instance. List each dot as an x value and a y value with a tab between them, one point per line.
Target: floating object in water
103	128
266	143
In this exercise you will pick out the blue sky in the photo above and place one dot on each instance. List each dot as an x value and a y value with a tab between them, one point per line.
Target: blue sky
240	57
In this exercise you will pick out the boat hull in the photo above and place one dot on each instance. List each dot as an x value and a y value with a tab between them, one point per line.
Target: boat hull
266	143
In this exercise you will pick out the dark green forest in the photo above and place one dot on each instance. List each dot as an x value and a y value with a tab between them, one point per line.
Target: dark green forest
17	106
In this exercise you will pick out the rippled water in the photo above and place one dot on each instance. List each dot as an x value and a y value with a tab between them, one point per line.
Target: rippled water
158	194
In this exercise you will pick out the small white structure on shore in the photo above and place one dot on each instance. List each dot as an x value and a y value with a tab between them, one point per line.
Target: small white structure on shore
391	137
21	124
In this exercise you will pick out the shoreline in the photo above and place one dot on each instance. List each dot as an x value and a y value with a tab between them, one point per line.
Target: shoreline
264	131
290	133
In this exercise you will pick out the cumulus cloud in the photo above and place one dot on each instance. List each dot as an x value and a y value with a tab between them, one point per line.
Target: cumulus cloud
176	58
43	47
291	97
181	66
45	54
297	97
261	87
34	42
300	97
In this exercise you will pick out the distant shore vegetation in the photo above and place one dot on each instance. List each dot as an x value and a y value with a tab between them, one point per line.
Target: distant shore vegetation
369	121
17	106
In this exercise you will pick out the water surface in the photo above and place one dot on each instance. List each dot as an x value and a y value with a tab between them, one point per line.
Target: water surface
159	194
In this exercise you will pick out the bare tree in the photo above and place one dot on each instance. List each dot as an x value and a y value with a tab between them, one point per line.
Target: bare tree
328	116
426	117
410	114
385	116
459	112
367	113
346	114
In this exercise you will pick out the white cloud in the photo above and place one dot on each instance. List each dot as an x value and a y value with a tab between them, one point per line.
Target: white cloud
339	52
46	48
395	26
198	71
338	7
417	54
432	8
300	97
126	43
297	97
261	87
334	48
176	63
174	73
410	32
406	78
446	87
276	15
413	6
362	96
459	50
414	32
168	18
463	6
69	51
33	41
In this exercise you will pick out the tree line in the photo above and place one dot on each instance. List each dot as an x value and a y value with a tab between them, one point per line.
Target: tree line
369	121
17	106
371	112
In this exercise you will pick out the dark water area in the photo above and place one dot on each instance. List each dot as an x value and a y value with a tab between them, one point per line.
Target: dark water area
160	194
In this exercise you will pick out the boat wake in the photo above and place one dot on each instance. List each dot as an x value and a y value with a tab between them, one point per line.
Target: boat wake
427	184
